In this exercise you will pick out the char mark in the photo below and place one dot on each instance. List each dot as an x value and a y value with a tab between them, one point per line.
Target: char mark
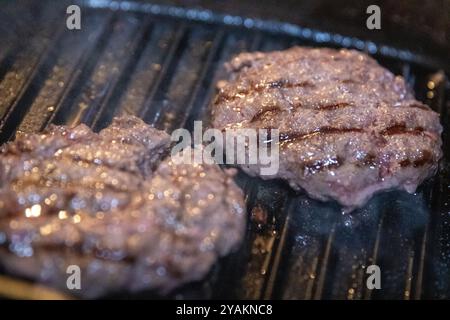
294	136
279	84
284	84
426	158
334	106
370	160
419	106
401	129
272	110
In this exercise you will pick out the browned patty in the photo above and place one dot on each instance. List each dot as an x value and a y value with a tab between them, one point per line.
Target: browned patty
348	127
111	204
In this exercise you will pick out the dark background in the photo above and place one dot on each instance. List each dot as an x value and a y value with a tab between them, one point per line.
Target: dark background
420	25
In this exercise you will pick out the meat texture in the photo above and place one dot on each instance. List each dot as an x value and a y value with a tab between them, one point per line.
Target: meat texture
112	205
348	127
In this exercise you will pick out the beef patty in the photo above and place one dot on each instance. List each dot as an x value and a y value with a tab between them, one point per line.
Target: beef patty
348	127
112	205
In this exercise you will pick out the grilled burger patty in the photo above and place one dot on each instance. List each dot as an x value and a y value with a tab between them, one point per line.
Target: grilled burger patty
110	204
348	127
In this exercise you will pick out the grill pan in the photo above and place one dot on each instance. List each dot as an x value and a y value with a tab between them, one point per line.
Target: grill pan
160	62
